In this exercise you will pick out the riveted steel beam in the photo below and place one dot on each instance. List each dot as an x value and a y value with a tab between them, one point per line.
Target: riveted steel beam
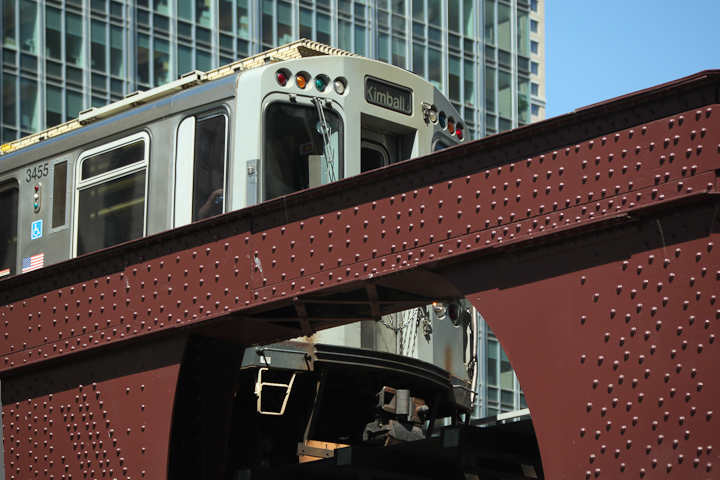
463	221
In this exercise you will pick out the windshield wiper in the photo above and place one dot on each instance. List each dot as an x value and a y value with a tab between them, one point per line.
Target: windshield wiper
326	133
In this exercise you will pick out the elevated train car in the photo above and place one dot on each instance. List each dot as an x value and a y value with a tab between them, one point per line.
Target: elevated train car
210	143
265	127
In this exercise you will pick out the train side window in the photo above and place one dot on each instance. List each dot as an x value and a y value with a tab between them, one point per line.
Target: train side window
111	194
200	168
59	194
292	136
8	228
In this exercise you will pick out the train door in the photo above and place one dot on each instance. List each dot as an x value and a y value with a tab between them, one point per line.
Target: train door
8	228
200	167
378	149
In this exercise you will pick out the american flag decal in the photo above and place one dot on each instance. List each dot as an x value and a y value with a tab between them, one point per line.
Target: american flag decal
5	272
33	263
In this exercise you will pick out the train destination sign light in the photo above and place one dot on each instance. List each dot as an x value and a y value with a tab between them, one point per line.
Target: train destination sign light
392	97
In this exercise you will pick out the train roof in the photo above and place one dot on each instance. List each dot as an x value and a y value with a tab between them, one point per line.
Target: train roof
298	49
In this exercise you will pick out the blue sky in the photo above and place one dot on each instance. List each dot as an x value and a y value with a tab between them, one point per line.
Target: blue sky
597	50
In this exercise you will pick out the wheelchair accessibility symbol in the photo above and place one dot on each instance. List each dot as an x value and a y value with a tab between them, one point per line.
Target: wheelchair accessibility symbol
36	230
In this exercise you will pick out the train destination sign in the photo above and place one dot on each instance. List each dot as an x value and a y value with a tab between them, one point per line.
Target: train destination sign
387	95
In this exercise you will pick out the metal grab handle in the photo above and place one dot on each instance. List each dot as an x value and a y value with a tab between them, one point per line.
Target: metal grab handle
258	391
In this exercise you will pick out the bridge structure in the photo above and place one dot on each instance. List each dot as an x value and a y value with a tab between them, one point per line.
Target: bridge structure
589	242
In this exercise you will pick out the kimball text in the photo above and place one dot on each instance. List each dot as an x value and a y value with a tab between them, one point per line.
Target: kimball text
388	96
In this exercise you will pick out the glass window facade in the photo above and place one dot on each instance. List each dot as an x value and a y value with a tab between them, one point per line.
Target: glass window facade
499	390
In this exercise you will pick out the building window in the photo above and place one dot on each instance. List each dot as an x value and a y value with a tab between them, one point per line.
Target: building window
534	47
534	68
535	89
534	26
111	194
534	5
535	110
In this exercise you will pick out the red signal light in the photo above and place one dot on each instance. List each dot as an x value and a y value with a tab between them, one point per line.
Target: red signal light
282	78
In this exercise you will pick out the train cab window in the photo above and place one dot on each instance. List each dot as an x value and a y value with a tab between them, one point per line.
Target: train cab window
200	168
293	140
372	156
111	194
378	148
8	229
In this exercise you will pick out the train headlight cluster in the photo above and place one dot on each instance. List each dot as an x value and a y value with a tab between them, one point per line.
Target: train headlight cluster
453	127
321	82
303	79
453	311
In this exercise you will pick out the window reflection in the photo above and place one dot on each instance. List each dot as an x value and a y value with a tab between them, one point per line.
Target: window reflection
53	114
324	33
73	40
29	105
203	14
161	61
98	45
113	159
209	167
28	27
111	213
284	23
53	33
8	24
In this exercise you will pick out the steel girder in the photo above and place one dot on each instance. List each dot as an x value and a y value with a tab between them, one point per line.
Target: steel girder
588	242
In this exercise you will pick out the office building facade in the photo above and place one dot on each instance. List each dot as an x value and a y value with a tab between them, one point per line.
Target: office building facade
60	57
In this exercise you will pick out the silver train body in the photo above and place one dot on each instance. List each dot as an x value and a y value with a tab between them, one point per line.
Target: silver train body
195	148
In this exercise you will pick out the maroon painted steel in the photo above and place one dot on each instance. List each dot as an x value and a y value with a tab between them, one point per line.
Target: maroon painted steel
102	415
613	336
550	230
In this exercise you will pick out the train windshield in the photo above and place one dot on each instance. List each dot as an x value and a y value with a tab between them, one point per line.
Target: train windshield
298	154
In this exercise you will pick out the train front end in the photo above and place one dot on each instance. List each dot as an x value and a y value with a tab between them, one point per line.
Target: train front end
304	123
